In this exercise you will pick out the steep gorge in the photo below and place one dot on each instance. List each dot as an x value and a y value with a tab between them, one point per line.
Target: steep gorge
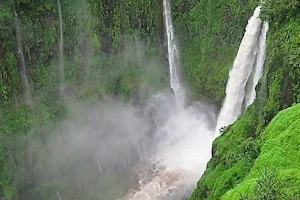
118	49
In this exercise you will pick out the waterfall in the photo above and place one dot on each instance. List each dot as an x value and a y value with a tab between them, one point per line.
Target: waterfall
24	78
98	165
61	49
58	195
258	70
173	55
240	72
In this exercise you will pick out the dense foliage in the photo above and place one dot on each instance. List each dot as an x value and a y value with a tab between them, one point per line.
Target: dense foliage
279	145
110	48
103	38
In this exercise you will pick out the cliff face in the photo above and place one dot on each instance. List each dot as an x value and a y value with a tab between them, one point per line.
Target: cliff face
98	35
251	160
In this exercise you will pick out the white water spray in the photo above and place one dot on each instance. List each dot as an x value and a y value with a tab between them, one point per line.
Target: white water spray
173	54
259	65
61	49
58	195
24	78
183	140
240	73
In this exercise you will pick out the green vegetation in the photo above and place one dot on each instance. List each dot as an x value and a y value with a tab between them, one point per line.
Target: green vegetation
233	156
210	33
246	154
117	48
105	43
111	48
270	186
239	160
279	150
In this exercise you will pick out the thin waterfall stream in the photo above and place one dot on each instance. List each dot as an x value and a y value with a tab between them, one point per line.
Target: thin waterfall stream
173	54
23	71
61	68
58	196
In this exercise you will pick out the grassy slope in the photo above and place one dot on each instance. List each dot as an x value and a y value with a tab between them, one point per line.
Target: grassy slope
233	156
234	170
280	150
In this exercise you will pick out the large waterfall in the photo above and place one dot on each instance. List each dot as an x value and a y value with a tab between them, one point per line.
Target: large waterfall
61	48
259	66
24	78
173	54
251	52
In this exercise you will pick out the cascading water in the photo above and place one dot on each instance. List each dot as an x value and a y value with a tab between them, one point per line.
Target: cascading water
183	136
58	196
258	70
173	54
240	73
24	78
61	49
98	165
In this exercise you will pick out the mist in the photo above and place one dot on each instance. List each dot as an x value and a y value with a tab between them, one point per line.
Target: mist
111	149
110	132
147	147
183	139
